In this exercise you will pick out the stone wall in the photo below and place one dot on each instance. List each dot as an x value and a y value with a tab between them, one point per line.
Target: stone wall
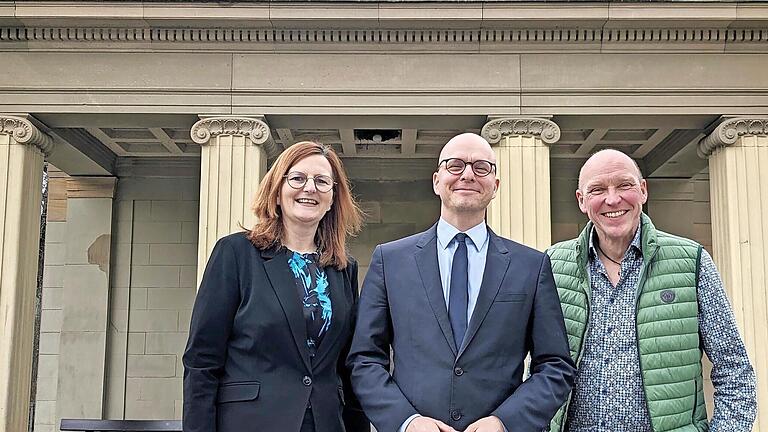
153	290
394	209
51	318
50	328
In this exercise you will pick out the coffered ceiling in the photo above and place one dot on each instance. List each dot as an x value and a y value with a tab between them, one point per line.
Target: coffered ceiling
656	142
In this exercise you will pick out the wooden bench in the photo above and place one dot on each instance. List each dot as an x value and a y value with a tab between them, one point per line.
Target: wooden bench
83	425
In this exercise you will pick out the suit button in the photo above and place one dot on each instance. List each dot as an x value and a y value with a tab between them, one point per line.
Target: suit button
458	371
307	381
456	415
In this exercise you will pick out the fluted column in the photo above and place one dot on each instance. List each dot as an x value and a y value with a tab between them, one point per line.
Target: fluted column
738	169
521	209
22	150
234	159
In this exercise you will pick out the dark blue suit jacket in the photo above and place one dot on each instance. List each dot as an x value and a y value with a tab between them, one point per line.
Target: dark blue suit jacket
517	312
247	365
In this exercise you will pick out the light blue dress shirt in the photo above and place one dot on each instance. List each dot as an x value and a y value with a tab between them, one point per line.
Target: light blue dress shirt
477	249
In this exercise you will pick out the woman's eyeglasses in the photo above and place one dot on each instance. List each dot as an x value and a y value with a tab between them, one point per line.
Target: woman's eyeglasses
297	180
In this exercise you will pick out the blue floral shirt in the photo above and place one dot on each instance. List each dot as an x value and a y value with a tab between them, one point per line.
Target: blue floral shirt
312	284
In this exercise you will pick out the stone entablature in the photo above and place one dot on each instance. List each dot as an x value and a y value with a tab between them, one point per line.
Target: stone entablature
389	26
382	36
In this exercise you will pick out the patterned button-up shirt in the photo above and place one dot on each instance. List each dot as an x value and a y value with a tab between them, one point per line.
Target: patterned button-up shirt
608	394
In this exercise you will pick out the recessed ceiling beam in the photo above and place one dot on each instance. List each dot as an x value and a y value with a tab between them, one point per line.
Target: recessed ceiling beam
348	141
408	145
166	141
107	141
652	142
594	137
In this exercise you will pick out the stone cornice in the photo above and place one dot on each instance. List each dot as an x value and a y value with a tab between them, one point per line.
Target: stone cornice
386	25
729	131
496	129
257	38
256	130
371	13
24	131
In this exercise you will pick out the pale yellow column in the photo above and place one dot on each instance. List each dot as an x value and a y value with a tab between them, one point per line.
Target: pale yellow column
738	169
22	150
521	210
234	159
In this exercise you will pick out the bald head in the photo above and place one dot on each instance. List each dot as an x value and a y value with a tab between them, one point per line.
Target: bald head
466	141
607	160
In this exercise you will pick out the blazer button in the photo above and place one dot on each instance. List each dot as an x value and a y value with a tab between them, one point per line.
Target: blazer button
458	371
307	381
456	415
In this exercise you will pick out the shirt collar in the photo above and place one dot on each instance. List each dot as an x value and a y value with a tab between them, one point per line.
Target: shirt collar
446	232
634	244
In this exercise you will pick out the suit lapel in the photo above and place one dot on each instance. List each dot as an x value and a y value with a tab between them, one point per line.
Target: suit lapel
496	265
429	270
283	283
339	310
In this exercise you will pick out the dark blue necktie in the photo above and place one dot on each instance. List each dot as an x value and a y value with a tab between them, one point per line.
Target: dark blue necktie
459	296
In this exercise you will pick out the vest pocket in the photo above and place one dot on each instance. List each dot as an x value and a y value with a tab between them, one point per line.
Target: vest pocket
238	392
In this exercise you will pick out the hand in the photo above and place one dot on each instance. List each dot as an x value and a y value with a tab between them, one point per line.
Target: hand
426	424
487	424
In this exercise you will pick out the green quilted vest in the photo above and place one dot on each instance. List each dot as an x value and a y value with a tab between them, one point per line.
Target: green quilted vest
667	323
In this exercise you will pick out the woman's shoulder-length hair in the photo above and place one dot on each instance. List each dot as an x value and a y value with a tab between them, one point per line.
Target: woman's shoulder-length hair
343	220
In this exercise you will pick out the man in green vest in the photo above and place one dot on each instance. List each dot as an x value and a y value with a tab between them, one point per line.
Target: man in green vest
640	307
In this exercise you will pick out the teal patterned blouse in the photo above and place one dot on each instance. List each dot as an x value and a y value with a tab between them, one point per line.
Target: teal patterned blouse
312	284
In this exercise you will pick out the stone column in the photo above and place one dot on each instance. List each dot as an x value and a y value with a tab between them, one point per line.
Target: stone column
521	209
738	169
234	159
85	299
22	150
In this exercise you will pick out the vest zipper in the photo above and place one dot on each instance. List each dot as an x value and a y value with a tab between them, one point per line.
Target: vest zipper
579	354
638	289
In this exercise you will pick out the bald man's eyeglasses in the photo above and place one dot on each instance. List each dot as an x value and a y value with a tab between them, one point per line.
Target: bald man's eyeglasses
456	166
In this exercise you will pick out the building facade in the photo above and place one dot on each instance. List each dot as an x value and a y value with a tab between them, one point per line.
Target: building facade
158	119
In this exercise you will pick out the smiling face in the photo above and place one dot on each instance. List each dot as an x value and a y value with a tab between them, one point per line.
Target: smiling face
306	206
612	193
465	196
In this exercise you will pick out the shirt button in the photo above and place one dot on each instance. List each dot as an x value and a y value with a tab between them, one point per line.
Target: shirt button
456	415
610	329
604	391
612	300
307	381
458	371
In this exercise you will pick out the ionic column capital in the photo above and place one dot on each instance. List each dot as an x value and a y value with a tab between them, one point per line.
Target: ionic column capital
729	131
496	129
255	129
23	131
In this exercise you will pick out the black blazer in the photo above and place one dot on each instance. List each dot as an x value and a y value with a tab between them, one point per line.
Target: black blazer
247	366
517	313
